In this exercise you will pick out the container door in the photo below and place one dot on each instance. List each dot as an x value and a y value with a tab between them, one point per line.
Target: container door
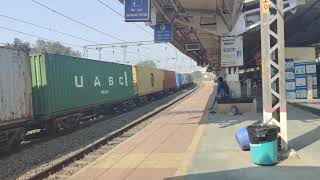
135	80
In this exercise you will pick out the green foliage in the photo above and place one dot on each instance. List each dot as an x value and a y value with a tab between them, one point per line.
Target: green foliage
19	44
149	64
45	46
54	47
197	75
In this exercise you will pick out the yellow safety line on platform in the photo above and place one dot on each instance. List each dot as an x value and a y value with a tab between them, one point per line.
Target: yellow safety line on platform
141	160
186	165
187	161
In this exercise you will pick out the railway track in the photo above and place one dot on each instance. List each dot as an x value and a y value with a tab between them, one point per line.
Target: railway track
75	161
40	136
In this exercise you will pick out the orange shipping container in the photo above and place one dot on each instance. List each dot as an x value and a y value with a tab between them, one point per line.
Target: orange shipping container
147	80
169	80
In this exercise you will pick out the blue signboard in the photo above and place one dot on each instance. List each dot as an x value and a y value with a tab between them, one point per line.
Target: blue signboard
137	10
163	32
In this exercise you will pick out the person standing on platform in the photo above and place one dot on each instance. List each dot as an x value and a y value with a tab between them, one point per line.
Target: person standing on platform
222	91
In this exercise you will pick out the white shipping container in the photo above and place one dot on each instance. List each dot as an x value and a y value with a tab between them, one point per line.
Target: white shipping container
185	79
15	85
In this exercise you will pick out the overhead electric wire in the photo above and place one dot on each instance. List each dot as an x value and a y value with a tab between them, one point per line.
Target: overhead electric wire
110	8
79	22
47	28
39	37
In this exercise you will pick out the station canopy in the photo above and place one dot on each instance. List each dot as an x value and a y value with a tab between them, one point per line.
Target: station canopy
206	21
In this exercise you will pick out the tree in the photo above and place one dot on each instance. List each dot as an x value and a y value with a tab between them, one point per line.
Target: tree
149	64
54	47
197	75
19	44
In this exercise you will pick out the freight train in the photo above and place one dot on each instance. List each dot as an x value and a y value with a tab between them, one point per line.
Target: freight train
55	92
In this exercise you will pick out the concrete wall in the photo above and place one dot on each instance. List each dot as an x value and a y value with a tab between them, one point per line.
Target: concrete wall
301	53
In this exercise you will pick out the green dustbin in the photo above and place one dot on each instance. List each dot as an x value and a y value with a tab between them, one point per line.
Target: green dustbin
264	143
265	153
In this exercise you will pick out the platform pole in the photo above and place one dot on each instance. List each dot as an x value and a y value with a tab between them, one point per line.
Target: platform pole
273	66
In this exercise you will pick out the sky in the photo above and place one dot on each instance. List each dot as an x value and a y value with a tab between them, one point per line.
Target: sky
93	14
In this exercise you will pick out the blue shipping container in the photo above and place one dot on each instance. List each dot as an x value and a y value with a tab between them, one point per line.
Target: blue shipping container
178	80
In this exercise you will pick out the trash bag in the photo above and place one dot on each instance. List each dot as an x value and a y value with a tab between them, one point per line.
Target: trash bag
262	133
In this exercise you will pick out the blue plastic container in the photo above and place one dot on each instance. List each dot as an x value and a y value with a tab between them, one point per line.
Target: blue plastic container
242	138
265	154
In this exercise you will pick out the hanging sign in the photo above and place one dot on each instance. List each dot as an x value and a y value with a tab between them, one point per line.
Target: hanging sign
231	51
137	10
163	32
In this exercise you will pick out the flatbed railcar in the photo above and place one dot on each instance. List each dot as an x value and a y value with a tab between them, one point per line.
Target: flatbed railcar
53	92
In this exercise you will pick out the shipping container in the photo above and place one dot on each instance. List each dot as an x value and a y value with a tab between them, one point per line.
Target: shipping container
190	79
63	84
178	80
15	86
147	80
185	79
169	80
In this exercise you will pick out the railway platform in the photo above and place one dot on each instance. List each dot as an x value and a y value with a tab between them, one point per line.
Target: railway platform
186	142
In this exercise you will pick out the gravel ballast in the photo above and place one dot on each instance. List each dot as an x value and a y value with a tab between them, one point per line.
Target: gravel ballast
40	155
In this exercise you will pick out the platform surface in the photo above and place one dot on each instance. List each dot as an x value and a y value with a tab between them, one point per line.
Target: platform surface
179	145
160	150
218	156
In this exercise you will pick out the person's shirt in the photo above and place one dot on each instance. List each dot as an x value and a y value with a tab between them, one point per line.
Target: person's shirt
223	89
220	90
226	88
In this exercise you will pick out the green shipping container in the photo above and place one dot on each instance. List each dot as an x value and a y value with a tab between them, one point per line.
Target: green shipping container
63	84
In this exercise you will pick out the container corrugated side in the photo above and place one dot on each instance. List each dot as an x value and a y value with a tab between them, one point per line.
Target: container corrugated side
148	80
169	79
184	78
15	85
178	80
63	84
190	78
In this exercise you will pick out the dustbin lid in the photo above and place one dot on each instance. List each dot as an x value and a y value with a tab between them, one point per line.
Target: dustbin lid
262	133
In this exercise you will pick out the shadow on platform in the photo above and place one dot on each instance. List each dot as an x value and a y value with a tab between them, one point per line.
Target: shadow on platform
305	139
261	173
225	120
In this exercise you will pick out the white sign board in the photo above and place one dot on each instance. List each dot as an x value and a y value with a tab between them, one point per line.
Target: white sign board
231	51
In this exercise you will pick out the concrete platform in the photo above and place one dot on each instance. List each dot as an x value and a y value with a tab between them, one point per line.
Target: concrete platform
161	150
218	156
187	143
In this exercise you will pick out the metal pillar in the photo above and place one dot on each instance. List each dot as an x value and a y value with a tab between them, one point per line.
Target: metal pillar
273	66
100	54
85	52
124	53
